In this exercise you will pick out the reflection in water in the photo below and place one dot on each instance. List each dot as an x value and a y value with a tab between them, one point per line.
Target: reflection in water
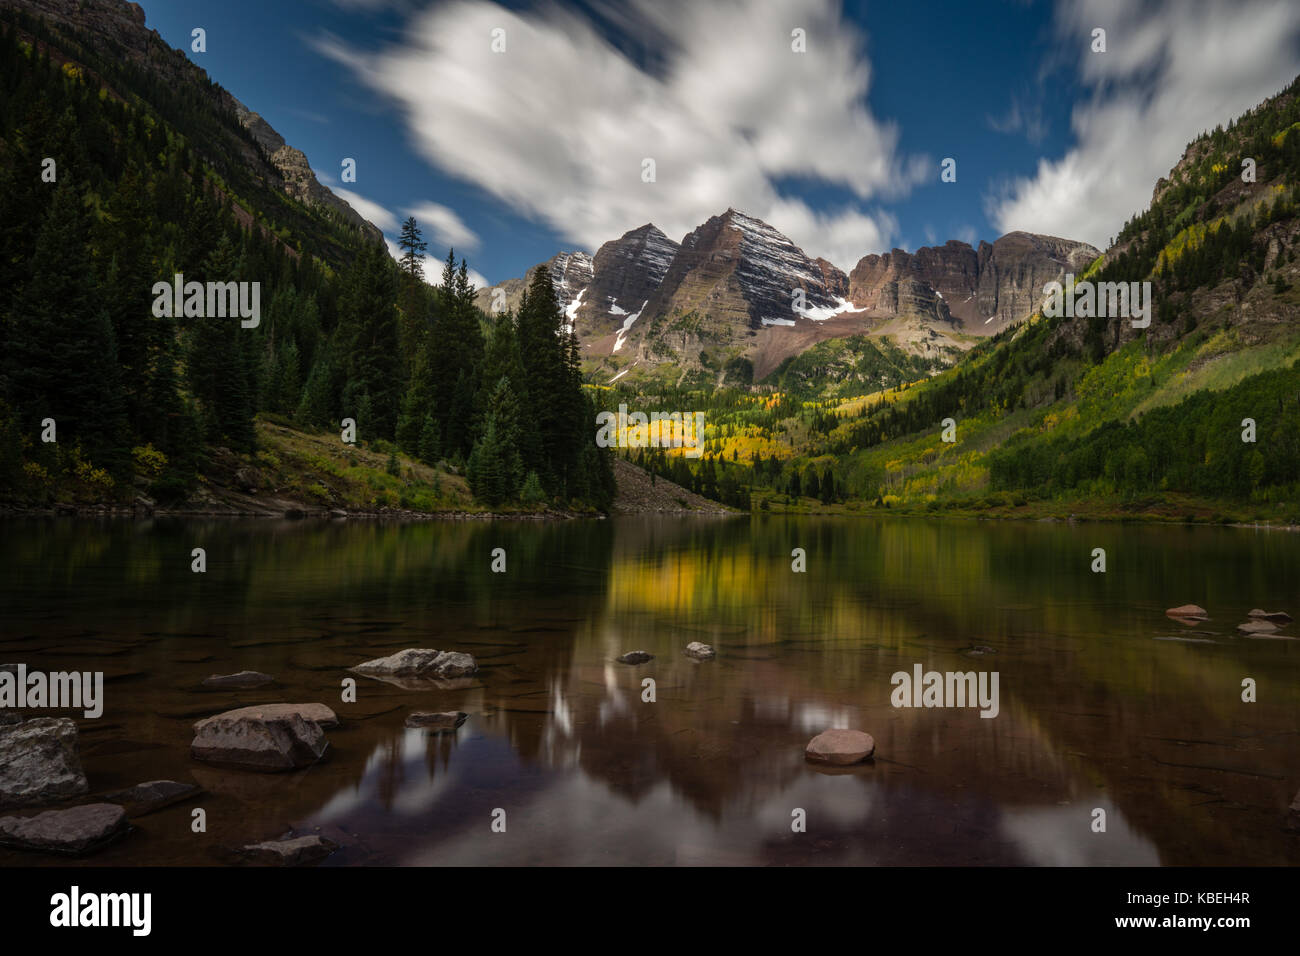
1105	702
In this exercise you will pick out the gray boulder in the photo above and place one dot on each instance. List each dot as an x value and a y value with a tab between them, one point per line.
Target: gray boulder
701	652
840	747
318	714
420	662
39	762
260	741
636	657
145	798
75	831
298	851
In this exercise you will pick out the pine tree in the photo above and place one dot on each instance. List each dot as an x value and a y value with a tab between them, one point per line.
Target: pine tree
220	363
61	355
430	441
368	341
413	244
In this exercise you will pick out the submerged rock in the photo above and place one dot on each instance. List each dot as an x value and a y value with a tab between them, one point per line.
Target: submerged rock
840	747
1188	612
145	798
253	739
1277	617
244	680
636	657
701	652
74	831
39	762
296	851
1257	627
420	662
448	720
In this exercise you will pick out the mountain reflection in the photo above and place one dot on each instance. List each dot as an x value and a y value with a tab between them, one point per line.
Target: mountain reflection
1104	703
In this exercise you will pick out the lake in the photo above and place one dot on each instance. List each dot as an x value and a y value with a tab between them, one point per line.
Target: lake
1105	703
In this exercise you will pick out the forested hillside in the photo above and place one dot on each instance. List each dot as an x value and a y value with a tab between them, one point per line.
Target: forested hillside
112	180
1197	415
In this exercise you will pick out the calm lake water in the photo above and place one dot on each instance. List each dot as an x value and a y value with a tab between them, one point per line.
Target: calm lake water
1104	701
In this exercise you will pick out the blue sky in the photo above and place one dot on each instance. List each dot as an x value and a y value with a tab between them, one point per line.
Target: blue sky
515	154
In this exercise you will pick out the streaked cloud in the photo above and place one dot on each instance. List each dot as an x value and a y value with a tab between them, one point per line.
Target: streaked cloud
558	126
1172	70
443	228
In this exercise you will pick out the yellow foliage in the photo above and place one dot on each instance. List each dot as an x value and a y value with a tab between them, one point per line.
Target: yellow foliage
149	461
36	474
89	474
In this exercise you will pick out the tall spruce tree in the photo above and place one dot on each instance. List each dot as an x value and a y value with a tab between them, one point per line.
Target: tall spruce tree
61	354
368	341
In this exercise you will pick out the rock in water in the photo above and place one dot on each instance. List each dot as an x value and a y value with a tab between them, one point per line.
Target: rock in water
268	743
840	747
1188	612
297	851
145	798
244	680
39	762
1257	627
420	662
1277	617
448	720
317	713
636	657
75	831
701	652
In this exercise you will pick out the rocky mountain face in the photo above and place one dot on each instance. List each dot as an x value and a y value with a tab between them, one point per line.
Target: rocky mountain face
571	273
298	179
119	27
627	273
737	289
740	269
968	291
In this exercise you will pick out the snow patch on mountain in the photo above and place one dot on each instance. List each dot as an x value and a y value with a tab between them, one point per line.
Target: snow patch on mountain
627	327
571	311
823	313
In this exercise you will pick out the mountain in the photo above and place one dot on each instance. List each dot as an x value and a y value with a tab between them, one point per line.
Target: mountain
90	30
979	293
1192	416
627	271
737	298
297	178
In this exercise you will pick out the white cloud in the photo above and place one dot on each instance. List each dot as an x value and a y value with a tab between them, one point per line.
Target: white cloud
433	267
443	228
558	125
368	208
1172	70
